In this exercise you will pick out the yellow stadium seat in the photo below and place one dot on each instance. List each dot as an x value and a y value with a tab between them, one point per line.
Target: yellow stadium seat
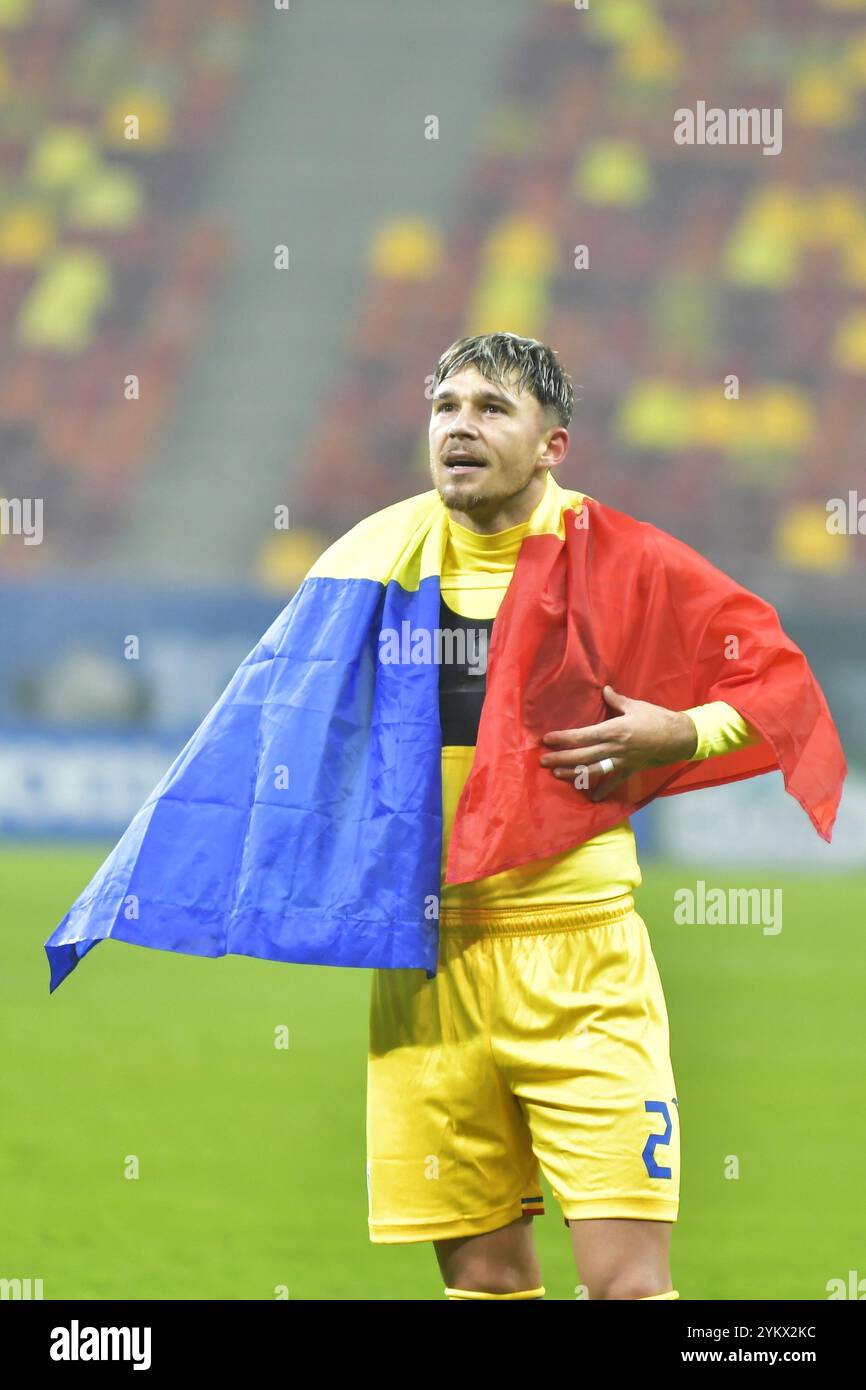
614	172
407	248
773	425
521	246
61	156
153	117
820	96
656	414
777	208
803	541
622	21
763	248
520	301
112	200
27	234
61	309
832	215
716	419
16	14
655	57
785	417
761	261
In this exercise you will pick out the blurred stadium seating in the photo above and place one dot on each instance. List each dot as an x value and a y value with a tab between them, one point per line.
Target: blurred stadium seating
703	262
104	262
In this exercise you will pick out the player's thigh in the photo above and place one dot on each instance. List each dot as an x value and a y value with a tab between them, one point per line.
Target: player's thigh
501	1261
590	1064
449	1154
622	1258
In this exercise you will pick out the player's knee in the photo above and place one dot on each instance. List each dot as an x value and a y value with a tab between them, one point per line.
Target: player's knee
497	1262
500	1280
630	1284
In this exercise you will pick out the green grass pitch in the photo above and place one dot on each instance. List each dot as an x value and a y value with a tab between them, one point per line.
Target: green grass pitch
252	1158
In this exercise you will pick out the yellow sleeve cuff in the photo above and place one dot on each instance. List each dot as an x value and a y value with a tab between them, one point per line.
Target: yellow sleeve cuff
720	729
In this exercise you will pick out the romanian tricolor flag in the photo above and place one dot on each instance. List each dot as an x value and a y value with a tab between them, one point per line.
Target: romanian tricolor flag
303	820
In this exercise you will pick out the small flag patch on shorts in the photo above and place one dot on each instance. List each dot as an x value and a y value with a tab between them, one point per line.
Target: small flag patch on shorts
533	1206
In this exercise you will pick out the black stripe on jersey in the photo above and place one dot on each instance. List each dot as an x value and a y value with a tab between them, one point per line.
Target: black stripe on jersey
462	685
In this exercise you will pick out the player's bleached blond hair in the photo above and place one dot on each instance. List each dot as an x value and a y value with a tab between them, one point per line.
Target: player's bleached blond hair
498	355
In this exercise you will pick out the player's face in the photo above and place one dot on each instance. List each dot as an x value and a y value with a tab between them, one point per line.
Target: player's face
490	448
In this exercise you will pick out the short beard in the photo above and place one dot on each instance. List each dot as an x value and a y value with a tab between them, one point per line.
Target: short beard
465	502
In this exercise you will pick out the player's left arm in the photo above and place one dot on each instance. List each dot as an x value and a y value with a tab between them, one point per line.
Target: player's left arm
720	729
643	735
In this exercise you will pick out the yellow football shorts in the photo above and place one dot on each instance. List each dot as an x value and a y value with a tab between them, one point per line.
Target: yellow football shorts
541	1044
